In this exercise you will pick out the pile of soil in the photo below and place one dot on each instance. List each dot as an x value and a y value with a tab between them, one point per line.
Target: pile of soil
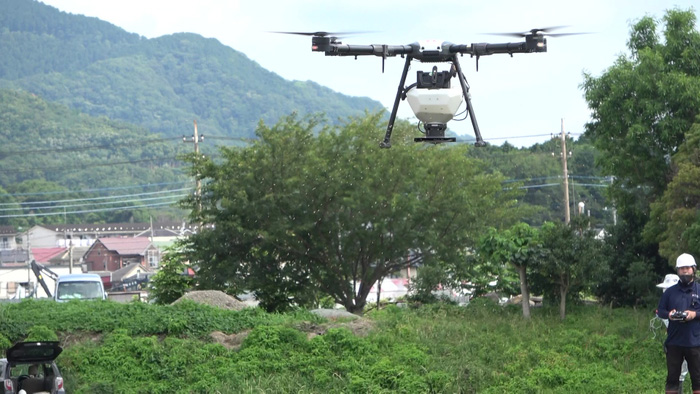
215	298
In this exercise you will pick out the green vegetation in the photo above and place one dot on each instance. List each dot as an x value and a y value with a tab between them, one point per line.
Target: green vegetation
644	108
482	348
292	213
171	281
50	153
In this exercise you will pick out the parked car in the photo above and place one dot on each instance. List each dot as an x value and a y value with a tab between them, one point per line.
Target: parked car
79	287
31	366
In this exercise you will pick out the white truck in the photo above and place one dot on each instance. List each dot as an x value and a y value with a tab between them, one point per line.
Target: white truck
70	286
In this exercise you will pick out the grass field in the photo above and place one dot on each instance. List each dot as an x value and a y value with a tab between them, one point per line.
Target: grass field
481	348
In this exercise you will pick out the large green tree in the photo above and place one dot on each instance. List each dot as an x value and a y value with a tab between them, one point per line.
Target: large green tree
674	221
295	213
643	105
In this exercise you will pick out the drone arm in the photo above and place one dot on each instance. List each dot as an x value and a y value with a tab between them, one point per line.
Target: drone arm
483	49
368	50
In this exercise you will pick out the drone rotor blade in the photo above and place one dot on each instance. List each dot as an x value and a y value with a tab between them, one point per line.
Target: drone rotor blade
517	35
319	33
538	31
564	34
546	29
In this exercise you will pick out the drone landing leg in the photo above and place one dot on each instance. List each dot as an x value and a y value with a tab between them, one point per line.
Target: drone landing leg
465	92
387	137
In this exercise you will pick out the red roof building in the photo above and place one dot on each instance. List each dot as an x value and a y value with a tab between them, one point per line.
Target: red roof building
45	255
112	254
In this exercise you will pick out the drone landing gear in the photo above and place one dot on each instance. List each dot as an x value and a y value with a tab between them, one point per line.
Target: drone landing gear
434	132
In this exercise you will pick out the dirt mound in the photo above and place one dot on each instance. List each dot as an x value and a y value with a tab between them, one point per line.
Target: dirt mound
215	298
229	341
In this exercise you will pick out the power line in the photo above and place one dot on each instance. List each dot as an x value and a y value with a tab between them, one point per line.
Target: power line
557	184
100	189
30	204
4	153
88	210
100	203
89	165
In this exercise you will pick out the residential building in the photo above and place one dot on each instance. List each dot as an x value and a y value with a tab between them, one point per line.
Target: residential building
112	254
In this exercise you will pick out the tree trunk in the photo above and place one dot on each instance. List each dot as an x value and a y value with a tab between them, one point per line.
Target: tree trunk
524	291
562	303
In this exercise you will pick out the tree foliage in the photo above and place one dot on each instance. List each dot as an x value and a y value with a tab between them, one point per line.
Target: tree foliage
643	105
50	153
518	246
674	222
643	110
171	281
572	261
295	214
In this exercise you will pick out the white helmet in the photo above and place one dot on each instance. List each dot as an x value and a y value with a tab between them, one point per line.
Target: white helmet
685	260
669	280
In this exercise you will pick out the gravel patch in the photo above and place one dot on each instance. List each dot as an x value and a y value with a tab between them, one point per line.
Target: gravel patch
214	298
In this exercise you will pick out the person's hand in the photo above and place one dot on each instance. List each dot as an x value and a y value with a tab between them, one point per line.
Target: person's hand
691	315
675	318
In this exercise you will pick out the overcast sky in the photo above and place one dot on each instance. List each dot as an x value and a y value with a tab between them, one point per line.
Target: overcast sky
526	95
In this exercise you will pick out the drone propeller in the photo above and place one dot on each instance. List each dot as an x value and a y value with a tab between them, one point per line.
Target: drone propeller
319	33
544	31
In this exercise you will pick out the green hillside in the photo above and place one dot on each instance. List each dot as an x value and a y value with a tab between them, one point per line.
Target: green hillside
51	152
161	84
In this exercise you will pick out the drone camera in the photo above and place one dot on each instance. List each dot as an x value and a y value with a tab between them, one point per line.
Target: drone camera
433	80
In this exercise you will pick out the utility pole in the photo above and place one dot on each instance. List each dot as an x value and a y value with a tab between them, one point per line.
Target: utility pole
567	213
196	139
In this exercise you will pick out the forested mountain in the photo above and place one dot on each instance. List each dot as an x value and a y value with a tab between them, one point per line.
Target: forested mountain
161	84
52	153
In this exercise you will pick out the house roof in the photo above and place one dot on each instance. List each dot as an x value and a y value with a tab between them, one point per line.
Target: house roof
7	230
126	246
43	255
129	271
14	255
130	228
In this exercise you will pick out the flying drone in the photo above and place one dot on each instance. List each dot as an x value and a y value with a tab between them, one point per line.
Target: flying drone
431	97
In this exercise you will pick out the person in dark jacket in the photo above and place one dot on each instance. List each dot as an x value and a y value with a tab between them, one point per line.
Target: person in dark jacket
670	280
680	304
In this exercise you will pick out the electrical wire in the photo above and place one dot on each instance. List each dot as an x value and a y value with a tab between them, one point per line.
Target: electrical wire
88	210
90	165
4	153
100	189
96	203
30	203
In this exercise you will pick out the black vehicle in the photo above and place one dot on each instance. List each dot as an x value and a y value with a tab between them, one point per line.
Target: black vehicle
31	366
